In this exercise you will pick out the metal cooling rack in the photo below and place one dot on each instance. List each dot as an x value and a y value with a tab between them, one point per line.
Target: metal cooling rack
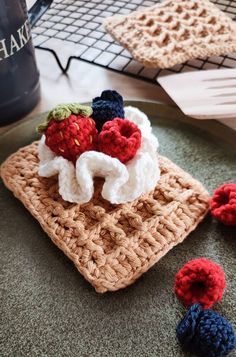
72	29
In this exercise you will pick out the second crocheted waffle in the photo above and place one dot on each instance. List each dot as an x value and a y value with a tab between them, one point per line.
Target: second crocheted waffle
174	31
111	245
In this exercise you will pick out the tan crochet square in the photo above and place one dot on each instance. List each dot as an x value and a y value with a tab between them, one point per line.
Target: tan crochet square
111	245
173	32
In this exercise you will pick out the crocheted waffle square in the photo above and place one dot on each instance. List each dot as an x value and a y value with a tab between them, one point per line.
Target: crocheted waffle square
173	32
111	245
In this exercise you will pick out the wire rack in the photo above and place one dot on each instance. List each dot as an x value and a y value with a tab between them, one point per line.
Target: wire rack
73	29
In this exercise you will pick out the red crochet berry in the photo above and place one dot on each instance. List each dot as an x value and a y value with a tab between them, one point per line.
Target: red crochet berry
70	131
200	281
223	204
71	137
120	138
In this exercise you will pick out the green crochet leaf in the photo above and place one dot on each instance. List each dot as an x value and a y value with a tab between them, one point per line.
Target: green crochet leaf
63	111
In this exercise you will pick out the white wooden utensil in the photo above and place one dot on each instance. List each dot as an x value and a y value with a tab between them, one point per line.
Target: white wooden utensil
206	94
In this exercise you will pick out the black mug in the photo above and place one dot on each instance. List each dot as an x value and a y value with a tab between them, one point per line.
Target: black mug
19	76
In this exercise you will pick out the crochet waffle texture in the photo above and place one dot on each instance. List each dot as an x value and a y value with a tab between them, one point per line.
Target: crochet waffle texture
173	32
111	245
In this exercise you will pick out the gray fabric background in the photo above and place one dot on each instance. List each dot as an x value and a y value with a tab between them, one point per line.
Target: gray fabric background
47	307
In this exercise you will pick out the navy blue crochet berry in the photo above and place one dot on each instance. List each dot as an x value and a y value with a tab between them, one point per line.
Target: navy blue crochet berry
205	333
107	107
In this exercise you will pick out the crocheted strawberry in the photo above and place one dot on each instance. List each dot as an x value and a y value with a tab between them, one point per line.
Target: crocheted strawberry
120	138
223	204
107	107
70	131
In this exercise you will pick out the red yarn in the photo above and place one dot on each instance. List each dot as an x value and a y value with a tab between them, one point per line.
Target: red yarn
120	138
200	281
223	204
72	136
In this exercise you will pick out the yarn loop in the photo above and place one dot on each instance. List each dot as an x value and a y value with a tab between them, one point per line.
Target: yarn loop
200	281
120	138
107	107
205	333
223	204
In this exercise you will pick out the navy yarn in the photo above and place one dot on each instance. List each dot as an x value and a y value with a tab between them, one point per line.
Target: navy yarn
107	107
205	333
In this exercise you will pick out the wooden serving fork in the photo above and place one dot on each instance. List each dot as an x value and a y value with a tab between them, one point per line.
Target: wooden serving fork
209	94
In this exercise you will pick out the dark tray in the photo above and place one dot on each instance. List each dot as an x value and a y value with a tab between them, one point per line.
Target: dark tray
48	309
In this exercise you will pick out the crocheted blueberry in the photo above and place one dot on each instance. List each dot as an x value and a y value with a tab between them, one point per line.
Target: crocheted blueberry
205	333
70	131
107	107
223	204
200	281
120	138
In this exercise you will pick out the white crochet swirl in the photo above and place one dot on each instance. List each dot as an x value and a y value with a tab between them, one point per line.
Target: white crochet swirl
123	183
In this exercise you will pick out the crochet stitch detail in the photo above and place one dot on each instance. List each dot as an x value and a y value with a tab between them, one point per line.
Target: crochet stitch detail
107	107
120	138
71	137
123	183
63	111
206	333
223	204
173	32
110	245
200	281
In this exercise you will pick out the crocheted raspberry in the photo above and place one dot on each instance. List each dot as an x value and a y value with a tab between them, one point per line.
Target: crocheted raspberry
206	333
223	204
200	281
120	138
107	107
69	131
